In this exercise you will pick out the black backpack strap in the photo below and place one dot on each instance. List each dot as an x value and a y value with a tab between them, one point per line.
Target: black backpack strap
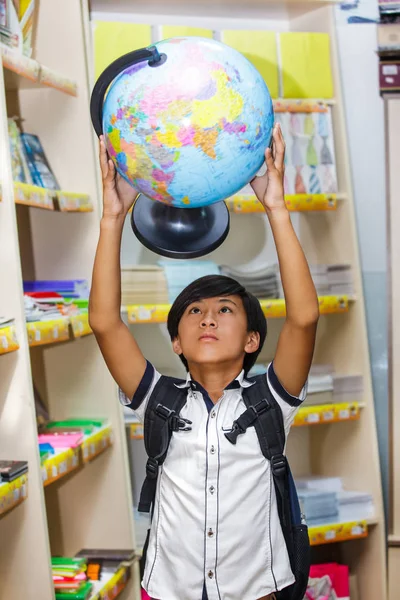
264	413
160	421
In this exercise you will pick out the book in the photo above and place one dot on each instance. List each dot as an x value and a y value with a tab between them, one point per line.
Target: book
12	469
39	166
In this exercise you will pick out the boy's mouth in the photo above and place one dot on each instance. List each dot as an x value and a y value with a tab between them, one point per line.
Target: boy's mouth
208	336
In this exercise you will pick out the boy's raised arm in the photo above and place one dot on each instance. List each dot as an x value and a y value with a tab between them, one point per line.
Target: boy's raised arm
123	356
297	339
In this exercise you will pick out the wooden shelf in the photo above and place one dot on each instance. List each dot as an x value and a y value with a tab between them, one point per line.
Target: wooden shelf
13	493
8	339
67	460
275	309
25	72
112	587
43	333
339	532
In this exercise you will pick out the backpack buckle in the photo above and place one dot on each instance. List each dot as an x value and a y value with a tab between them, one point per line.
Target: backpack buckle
152	468
234	433
279	465
262	406
178	423
163	412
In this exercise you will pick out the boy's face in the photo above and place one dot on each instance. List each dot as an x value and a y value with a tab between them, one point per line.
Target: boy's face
214	330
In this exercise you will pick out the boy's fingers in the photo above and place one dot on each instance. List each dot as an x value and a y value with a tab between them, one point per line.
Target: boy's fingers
279	146
103	158
269	161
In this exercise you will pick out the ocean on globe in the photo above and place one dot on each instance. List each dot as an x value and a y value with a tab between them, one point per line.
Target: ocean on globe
193	130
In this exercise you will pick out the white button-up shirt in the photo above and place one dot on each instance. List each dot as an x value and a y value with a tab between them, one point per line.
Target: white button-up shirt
215	517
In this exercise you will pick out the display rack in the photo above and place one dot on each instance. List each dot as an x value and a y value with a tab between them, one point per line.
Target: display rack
90	505
346	433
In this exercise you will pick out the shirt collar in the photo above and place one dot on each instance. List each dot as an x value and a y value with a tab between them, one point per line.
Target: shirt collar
239	382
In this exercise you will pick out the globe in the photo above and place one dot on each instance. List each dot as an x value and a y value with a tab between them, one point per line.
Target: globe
192	129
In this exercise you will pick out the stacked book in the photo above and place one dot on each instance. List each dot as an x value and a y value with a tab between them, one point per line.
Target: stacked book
12	469
348	388
265	282
323	500
143	284
47	300
180	273
6	322
16	24
320	385
70	579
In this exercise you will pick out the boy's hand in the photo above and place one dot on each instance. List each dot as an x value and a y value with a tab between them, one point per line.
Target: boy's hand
269	187
118	194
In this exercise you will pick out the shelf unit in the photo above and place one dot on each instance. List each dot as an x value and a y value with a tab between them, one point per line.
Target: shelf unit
392	122
92	507
328	235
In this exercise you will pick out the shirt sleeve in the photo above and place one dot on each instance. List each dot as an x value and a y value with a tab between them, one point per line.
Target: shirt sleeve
289	404
141	397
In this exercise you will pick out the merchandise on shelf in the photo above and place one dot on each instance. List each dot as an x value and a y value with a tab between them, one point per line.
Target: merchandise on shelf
70	578
12	469
143	284
49	300
39	167
330	581
13	492
8	336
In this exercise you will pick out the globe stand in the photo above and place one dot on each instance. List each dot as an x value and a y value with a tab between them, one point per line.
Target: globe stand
179	232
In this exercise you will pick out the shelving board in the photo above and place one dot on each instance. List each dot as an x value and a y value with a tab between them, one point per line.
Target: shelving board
158	313
22	72
339	532
248	203
66	460
27	194
13	493
8	339
42	333
110	586
327	413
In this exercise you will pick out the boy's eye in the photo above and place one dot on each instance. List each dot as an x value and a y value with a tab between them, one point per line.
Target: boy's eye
225	309
195	310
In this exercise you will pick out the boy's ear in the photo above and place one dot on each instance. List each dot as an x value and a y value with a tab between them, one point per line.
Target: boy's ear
253	342
176	346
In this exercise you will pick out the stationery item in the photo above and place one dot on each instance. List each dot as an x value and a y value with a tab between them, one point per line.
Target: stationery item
259	47
306	65
39	167
12	469
143	284
113	555
338	575
61	440
82	593
113	39
19	166
179	273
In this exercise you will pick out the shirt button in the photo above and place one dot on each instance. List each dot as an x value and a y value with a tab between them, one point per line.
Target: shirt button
212	450
210	533
210	574
212	489
213	414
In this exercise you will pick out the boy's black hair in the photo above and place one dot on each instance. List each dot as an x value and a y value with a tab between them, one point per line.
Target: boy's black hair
211	286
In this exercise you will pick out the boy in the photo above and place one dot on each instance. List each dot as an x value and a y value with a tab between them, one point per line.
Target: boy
215	532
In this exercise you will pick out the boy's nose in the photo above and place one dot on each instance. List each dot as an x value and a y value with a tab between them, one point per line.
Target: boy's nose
208	321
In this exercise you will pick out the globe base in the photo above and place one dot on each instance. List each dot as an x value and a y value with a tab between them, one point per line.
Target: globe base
179	232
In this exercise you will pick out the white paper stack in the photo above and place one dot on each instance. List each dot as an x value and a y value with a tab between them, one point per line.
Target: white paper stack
180	273
320	385
318	506
6	322
354	506
143	284
348	388
263	282
325	484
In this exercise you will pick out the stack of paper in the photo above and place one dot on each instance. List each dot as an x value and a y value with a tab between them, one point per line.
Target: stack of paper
266	282
5	322
354	506
143	284
318	506
180	273
315	495
69	578
320	385
263	282
12	469
348	388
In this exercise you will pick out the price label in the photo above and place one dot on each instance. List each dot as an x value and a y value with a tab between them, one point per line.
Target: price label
328	415
62	467
313	418
85	452
344	413
44	474
75	460
4	342
330	534
357	530
55	332
92	448
103	442
54	471
16	495
37	335
23	490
